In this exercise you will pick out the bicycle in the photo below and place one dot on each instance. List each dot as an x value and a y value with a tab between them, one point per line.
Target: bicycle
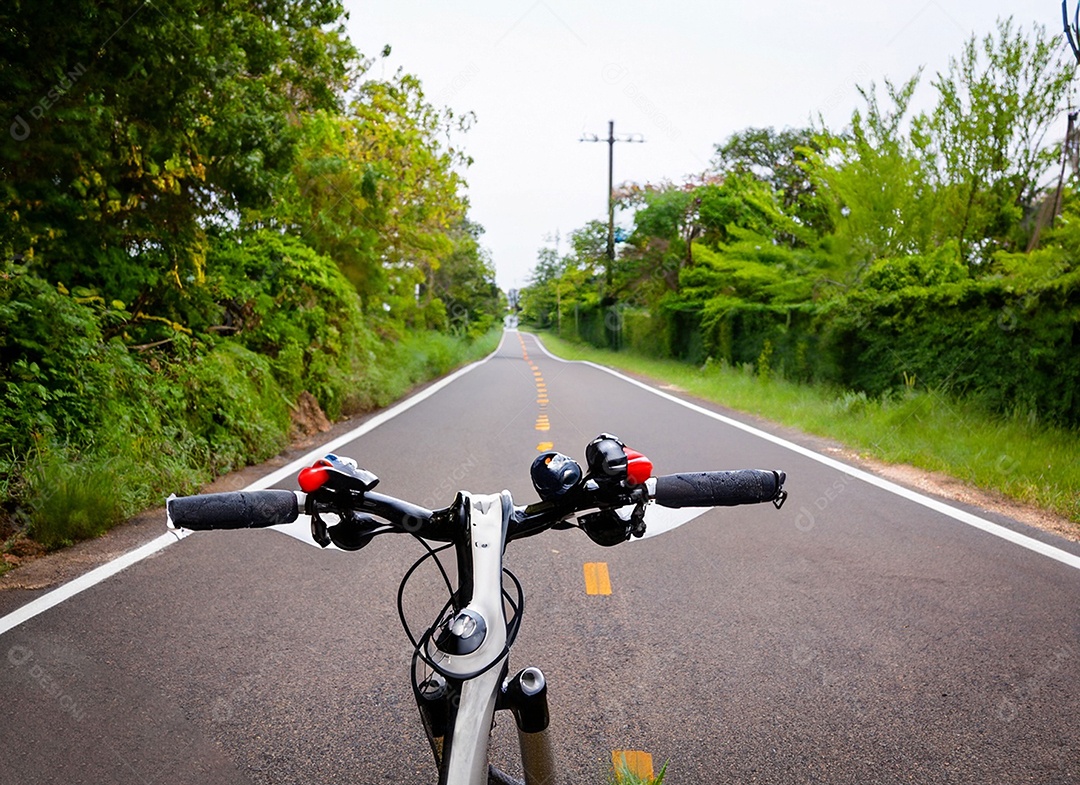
460	664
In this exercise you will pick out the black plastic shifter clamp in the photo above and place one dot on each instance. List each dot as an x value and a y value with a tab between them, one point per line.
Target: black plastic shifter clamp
781	494
612	526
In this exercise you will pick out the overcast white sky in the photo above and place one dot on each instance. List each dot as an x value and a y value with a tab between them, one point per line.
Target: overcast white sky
686	75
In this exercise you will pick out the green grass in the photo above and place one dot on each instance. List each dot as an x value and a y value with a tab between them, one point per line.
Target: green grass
624	775
74	500
419	357
1025	461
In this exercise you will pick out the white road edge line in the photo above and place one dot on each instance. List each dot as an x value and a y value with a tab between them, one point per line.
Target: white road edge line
107	570
989	527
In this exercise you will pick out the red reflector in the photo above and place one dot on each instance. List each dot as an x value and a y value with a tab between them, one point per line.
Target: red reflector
638	467
312	478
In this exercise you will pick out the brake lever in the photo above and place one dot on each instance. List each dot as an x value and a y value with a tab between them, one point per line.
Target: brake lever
319	531
637	520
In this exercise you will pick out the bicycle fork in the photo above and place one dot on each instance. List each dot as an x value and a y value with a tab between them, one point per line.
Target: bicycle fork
524	695
458	700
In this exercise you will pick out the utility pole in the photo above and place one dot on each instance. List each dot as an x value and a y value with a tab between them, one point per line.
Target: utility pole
611	140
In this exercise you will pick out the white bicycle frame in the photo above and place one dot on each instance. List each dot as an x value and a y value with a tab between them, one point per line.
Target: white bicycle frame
464	654
481	665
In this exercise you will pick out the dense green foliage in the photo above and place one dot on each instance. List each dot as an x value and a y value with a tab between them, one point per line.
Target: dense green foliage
131	124
211	213
932	252
925	428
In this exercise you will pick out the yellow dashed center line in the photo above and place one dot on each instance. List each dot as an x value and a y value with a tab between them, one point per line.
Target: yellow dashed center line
632	762
542	421
597	580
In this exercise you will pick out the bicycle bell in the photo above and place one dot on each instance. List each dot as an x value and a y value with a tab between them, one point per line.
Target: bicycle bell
606	457
554	475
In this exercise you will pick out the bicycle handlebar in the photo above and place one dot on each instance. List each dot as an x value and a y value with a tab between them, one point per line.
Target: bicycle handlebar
260	509
473	633
233	510
718	489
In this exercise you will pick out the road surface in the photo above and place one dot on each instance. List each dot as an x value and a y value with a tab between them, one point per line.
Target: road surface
855	636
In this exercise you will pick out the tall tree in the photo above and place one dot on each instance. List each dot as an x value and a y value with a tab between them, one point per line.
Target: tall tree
465	282
779	159
880	196
379	189
986	138
133	125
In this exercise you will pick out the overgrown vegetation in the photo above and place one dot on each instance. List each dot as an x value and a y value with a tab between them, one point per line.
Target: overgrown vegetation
907	260
210	213
96	430
1031	463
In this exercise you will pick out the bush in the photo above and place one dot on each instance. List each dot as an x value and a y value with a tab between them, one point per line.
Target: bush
942	267
1012	347
1009	340
294	307
645	333
233	406
51	379
92	430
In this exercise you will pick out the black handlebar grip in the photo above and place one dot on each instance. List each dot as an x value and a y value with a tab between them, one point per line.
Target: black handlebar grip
718	489
235	510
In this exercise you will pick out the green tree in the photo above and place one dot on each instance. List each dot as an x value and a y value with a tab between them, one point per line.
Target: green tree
562	285
540	299
779	158
331	199
666	222
378	190
589	247
986	138
465	283
134	125
881	200
713	211
742	202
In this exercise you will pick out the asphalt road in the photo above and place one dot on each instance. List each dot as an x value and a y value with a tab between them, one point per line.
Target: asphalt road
855	636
